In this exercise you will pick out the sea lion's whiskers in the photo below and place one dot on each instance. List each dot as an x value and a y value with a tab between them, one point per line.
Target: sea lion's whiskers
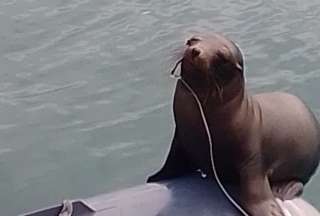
219	90
218	87
207	96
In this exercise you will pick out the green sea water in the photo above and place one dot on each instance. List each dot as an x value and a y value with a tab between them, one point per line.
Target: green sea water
85	95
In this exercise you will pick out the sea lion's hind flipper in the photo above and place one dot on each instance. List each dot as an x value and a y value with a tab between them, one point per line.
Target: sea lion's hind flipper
175	165
287	190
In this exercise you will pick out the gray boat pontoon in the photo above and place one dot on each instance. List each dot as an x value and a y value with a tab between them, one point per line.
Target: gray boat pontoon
185	196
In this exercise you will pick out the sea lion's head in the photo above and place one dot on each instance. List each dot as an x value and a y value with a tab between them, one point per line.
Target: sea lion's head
212	62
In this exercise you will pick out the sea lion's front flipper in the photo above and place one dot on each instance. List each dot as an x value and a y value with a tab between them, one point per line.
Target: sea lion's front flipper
255	191
263	204
175	165
287	190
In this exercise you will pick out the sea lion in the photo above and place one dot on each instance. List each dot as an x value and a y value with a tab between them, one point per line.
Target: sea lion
268	145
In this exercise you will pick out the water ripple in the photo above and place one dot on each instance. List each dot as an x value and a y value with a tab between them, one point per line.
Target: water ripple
39	90
126	117
7	126
5	150
79	70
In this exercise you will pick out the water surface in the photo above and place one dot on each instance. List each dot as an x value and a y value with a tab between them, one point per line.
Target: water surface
85	96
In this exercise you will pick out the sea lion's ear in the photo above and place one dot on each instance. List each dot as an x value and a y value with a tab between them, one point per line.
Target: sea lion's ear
223	54
223	66
239	57
226	57
239	67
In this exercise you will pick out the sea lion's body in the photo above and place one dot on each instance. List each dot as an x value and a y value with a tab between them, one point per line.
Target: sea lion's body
266	144
290	137
275	130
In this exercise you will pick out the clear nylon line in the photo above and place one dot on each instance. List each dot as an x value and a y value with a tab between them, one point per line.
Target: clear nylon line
216	176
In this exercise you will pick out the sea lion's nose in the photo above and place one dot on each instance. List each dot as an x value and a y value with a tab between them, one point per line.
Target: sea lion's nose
195	52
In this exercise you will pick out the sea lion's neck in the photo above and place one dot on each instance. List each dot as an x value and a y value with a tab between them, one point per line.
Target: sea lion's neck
230	97
199	84
221	103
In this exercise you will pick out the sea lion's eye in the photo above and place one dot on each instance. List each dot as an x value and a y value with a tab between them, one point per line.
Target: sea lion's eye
192	40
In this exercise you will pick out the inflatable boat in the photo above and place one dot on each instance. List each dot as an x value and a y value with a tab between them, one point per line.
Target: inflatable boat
185	196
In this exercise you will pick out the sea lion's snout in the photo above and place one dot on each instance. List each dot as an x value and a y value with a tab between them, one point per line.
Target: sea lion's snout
195	52
196	55
193	47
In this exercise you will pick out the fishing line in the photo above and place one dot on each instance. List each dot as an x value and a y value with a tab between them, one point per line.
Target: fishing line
216	176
